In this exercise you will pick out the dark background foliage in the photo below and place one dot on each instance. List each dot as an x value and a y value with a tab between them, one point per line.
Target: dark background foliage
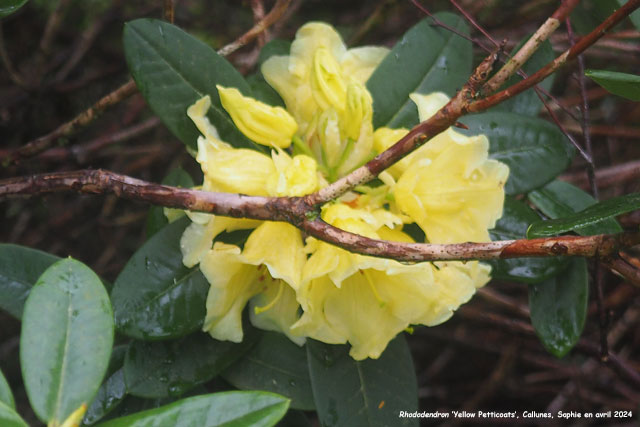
487	356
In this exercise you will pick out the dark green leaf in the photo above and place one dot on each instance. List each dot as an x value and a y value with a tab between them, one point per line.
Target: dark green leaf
621	84
20	267
263	92
274	364
170	368
634	17
534	149
156	219
66	339
590	220
10	418
528	103
111	392
513	225
559	307
7	7
229	409
365	393
295	418
173	70
272	48
6	396
560	199
156	296
427	59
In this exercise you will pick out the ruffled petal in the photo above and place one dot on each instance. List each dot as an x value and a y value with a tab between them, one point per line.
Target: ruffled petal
360	62
233	283
279	246
276	309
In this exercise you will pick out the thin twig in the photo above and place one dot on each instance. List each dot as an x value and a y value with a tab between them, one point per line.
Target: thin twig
169	10
270	18
8	64
372	19
40	144
529	48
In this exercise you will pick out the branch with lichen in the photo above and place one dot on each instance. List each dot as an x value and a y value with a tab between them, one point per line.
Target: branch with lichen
298	212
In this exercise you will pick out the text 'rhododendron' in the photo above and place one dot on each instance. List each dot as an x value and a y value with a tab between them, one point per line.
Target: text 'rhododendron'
308	288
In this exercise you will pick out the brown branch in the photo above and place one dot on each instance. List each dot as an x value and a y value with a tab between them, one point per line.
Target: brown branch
297	211
568	55
169	10
270	18
530	46
40	144
460	104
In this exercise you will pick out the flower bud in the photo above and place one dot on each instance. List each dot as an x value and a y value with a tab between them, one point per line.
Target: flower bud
326	81
262	123
359	109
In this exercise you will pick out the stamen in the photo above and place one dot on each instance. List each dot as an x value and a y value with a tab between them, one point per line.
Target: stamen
273	302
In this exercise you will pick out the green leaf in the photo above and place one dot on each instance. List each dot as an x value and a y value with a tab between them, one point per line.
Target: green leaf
7	7
528	103
588	221
10	418
427	59
170	368
634	17
229	409
156	219
513	225
66	339
275	47
6	396
274	364
112	391
263	92
621	84
156	296
363	393
20	267
560	199
534	149
173	70
559	307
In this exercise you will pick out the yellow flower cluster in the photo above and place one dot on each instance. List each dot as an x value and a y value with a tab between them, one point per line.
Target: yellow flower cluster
308	288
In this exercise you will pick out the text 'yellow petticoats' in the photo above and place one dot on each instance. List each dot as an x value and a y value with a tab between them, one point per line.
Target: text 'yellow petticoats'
308	288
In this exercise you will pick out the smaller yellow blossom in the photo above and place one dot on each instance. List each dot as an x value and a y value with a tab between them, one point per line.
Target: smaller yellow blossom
262	123
295	176
359	110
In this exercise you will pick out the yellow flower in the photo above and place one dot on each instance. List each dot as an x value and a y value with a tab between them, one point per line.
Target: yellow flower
310	288
451	189
322	84
367	301
262	123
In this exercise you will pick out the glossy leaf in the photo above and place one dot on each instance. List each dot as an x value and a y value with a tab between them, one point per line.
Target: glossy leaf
10	418
112	391
560	199
156	219
588	221
272	48
7	7
6	396
20	268
274	364
621	84
534	149
170	368
173	70
513	225
559	307
156	296
528	103
427	59
365	393
229	409
66	339
634	17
